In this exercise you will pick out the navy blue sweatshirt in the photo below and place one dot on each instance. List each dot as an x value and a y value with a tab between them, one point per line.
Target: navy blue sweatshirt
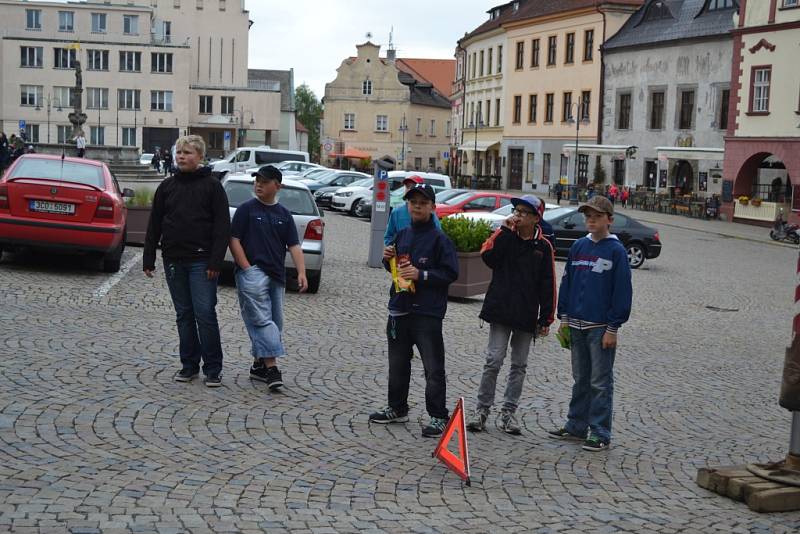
434	255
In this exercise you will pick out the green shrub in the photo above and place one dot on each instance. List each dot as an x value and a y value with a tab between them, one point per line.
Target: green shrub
142	198
466	234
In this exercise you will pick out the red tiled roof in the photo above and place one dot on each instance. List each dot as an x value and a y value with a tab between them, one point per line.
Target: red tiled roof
438	72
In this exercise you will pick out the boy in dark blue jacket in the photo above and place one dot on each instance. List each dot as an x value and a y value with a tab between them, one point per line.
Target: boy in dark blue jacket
593	302
428	258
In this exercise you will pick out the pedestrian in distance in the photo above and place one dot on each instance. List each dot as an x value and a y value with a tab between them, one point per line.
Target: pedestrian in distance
80	144
5	151
518	306
593	303
166	158
261	232
191	221
17	147
156	161
426	257
559	192
400	217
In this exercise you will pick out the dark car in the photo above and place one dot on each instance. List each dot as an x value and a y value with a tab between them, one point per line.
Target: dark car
640	241
323	189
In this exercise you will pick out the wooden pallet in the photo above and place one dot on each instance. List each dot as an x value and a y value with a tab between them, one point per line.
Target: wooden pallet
740	484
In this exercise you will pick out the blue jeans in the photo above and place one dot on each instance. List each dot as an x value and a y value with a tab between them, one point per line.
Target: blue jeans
593	392
195	299
499	336
261	304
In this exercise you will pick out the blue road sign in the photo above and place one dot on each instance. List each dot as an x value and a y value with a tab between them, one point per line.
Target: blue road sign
446	155
383	175
227	136
21	124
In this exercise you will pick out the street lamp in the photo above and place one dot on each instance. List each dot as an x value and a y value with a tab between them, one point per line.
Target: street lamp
478	122
241	113
578	117
49	100
403	129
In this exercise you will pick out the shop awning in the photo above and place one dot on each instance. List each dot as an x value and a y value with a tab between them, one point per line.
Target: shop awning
691	153
482	146
353	153
596	150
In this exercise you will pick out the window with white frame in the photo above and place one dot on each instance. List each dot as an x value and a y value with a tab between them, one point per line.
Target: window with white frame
791	3
381	123
32	133
99	23
62	96
97	98
130	24
129	99
161	62
227	105
128	136
64	58
206	104
419	126
97	135
448	126
761	80
714	5
161	100
63	133
31	56
130	61
33	19
66	21
97	60
31	95
349	121
366	87
432	131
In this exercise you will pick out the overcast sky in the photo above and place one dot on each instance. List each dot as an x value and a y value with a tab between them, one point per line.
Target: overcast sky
314	36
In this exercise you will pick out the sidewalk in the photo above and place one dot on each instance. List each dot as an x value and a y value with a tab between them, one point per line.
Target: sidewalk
759	234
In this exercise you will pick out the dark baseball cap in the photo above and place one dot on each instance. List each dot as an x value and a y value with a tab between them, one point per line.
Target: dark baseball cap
268	172
422	189
531	201
598	203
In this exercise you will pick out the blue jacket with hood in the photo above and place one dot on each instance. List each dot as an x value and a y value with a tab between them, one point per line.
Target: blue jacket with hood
596	287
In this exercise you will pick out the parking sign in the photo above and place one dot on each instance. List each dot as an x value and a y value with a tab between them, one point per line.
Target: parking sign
21	124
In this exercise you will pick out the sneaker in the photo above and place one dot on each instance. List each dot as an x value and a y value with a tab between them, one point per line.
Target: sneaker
595	444
269	375
213	381
435	428
563	433
259	371
185	375
274	378
388	415
477	421
509	424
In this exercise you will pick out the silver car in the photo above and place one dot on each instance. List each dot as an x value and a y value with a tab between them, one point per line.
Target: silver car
295	197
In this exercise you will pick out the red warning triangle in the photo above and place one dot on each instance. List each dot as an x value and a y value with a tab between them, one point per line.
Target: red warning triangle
459	464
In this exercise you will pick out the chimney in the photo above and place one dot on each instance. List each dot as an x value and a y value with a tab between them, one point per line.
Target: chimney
391	54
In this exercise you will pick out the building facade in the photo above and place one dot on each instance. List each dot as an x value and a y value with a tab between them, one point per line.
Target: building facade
553	77
762	148
285	137
666	93
151	71
388	108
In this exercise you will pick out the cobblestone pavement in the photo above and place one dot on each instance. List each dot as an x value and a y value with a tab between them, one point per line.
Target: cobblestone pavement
96	437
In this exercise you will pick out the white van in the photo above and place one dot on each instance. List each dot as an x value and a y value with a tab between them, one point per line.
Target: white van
432	178
248	157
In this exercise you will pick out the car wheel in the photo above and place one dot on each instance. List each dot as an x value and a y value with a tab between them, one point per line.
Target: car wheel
112	260
354	207
635	255
314	279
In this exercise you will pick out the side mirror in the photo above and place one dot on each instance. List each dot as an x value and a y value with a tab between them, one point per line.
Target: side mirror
127	193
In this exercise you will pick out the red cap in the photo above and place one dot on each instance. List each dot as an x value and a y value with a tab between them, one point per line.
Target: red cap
414	178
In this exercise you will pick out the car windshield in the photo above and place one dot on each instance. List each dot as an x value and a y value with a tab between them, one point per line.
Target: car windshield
56	169
458	198
441	196
328	178
505	210
315	173
550	215
296	200
366	182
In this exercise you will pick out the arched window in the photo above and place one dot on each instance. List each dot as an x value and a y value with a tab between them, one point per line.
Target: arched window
658	10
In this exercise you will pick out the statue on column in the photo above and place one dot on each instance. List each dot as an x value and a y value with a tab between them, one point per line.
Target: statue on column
77	117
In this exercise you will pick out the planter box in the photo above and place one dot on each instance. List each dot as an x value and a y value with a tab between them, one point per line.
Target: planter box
137	225
765	212
473	276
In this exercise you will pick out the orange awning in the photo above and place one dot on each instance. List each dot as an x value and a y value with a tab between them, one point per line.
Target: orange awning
351	153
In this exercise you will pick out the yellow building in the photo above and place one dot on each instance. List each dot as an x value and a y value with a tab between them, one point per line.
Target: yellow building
387	108
552	74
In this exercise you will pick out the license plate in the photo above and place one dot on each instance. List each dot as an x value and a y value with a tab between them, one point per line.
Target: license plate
45	206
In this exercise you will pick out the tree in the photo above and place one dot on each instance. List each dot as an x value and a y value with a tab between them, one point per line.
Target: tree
309	112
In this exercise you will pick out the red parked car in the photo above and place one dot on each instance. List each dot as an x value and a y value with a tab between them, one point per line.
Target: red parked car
74	204
471	201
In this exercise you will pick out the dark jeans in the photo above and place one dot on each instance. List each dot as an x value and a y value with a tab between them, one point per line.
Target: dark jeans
195	299
426	333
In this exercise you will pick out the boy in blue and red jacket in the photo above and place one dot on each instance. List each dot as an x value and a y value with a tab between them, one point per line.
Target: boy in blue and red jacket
428	258
593	302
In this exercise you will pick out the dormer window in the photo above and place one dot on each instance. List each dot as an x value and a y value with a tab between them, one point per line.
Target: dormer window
516	6
716	5
658	10
366	87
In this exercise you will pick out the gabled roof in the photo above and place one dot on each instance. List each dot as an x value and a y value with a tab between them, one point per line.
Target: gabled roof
283	77
440	73
690	20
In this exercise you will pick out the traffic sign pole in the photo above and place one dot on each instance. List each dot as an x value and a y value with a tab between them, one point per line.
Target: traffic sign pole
380	214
